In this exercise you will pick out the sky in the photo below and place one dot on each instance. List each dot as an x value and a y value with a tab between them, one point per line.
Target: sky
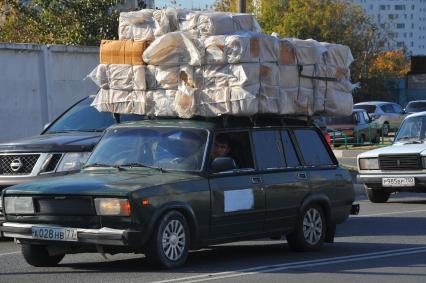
196	4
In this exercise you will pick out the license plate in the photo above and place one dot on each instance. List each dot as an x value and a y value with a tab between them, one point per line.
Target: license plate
398	182
54	233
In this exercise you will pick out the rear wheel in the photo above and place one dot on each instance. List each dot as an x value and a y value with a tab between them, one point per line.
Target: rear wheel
169	243
310	231
377	196
386	129
37	255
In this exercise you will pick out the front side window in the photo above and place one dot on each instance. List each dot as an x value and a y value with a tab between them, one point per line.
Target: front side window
269	154
313	149
166	148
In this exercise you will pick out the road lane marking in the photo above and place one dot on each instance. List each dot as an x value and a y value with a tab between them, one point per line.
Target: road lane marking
11	253
300	264
389	213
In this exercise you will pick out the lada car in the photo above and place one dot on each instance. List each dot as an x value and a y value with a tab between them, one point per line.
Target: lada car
400	167
159	188
415	106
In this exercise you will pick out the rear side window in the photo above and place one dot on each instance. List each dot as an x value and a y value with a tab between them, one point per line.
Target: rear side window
268	150
313	149
289	151
387	108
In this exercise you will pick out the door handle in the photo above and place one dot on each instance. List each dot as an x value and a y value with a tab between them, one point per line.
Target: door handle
256	180
301	176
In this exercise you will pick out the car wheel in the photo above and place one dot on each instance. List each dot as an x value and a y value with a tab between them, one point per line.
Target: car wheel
385	129
37	255
169	243
377	196
310	231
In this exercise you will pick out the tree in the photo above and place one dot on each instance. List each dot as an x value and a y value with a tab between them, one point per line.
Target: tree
78	22
390	64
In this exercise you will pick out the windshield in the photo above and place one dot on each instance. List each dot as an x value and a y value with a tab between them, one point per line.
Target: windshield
416	106
369	108
413	129
83	117
165	148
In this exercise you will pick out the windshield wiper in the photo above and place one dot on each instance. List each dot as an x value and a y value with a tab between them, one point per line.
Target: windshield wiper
102	165
136	164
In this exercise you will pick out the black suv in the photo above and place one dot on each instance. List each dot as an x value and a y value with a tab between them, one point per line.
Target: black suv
60	149
158	187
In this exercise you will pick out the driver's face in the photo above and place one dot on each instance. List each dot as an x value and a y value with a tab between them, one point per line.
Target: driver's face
221	149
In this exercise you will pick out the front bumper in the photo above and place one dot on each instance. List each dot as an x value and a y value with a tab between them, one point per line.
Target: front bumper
375	181
103	236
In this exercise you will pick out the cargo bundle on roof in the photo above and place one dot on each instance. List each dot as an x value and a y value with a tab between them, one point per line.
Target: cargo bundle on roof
183	63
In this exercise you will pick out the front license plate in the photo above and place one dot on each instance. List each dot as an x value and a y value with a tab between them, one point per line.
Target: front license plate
398	182
54	233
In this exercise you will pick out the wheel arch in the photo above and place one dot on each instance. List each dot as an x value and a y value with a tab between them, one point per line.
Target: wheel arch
324	202
186	211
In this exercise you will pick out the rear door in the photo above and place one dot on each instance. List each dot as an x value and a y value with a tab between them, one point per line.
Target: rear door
283	180
238	199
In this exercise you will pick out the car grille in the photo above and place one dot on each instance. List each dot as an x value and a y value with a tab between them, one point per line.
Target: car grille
23	164
399	162
61	205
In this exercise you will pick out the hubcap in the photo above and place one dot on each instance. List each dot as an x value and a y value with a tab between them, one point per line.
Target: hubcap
312	226
173	240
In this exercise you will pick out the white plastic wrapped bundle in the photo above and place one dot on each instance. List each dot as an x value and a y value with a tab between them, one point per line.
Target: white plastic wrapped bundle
119	76
289	76
336	78
269	74
269	48
174	49
338	103
138	25
246	22
244	100
233	49
165	21
337	55
296	101
212	76
213	102
215	23
185	101
308	51
269	97
167	77
163	102
122	101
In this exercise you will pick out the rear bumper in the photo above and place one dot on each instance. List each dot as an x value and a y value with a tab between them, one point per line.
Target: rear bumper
103	236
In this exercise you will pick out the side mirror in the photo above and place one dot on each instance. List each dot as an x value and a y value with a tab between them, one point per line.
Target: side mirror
403	111
221	164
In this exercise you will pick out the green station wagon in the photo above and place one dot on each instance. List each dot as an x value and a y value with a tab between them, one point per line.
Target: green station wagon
159	188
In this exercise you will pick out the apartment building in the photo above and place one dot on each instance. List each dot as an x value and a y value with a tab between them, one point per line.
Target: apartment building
405	18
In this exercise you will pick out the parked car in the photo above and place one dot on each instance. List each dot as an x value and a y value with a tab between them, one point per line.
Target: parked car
387	115
153	187
415	106
357	128
400	167
62	147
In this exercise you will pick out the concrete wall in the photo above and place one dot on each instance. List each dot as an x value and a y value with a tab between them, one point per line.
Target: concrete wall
39	82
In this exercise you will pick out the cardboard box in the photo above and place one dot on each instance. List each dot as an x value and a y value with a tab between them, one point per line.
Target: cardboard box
122	52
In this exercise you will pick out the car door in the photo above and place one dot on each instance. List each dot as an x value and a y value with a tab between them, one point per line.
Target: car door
237	196
283	180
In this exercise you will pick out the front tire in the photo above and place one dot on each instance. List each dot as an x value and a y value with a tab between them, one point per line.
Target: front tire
37	255
310	231
377	196
169	243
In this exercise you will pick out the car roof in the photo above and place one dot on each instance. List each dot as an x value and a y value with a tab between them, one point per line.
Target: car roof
227	122
423	113
377	103
420	100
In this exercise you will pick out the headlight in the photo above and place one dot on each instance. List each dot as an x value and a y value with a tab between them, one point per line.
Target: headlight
73	161
424	161
19	205
368	164
112	206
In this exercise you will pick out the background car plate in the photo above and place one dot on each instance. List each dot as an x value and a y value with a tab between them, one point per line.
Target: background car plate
398	182
54	233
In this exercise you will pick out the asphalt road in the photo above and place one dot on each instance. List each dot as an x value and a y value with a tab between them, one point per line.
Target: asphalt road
385	243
